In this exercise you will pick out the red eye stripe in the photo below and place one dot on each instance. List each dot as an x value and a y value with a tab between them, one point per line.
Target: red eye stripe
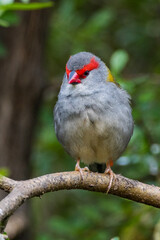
88	67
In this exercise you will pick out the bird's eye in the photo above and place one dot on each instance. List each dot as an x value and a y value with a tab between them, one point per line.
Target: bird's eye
86	73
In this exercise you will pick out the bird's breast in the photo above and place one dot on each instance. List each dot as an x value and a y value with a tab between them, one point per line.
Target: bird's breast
93	130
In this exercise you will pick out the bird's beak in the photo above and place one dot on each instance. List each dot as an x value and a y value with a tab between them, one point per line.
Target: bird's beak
74	78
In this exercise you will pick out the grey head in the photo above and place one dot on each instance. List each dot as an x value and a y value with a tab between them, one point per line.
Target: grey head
79	60
84	72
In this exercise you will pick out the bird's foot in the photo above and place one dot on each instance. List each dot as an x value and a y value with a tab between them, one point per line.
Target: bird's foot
112	175
85	169
80	170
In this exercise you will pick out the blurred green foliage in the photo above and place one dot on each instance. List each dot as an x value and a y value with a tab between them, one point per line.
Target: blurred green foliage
125	34
4	172
118	61
22	6
9	18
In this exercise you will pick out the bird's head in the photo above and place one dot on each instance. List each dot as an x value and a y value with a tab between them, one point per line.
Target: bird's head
87	69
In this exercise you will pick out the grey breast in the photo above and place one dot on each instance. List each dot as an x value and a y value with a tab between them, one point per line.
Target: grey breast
94	128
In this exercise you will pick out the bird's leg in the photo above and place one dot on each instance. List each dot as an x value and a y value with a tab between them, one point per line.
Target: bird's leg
79	169
111	173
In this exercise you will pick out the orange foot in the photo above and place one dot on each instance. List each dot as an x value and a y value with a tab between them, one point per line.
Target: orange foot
79	169
111	173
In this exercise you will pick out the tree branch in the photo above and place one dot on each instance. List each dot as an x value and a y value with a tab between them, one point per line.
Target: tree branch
7	184
20	191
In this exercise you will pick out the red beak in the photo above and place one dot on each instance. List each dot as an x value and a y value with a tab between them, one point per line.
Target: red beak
74	78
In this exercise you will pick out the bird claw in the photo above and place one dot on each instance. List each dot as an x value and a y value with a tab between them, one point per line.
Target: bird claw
112	175
85	169
80	170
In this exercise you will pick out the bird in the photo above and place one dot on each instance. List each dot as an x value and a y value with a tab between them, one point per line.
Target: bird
92	117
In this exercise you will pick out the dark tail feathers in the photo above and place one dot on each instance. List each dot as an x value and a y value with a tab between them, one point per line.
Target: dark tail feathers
97	167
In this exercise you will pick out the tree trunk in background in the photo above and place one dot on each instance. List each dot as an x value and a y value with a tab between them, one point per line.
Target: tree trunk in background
21	85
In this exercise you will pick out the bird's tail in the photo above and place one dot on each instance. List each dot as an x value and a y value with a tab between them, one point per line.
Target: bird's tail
97	167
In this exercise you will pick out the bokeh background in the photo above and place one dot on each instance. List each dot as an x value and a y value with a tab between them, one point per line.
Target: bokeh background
126	35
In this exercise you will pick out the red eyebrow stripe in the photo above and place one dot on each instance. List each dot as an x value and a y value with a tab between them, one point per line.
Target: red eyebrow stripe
88	67
67	71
